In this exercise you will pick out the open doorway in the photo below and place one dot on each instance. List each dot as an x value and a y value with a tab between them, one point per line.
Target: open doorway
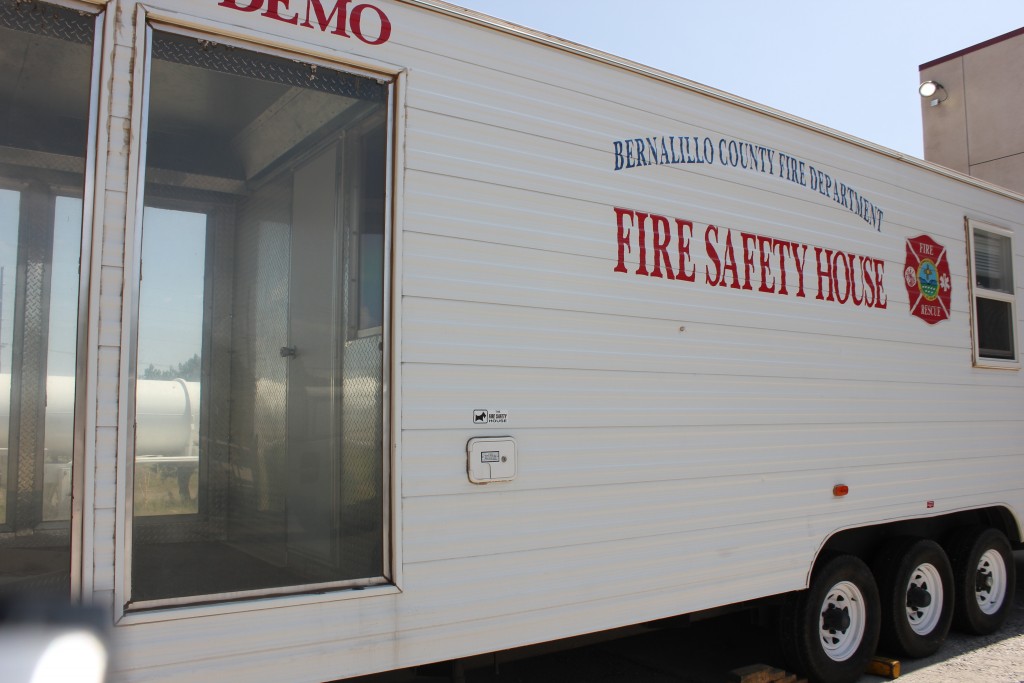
259	458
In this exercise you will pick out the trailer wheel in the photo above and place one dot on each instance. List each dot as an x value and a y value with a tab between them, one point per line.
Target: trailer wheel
829	631
984	575
915	584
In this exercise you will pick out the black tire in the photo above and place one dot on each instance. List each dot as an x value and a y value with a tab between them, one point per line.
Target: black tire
984	575
915	584
828	632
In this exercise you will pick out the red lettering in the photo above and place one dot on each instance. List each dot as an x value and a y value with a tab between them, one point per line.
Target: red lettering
713	255
843	277
338	15
851	275
800	266
623	238
824	276
729	262
869	285
273	12
748	257
357	24
784	249
253	6
662	236
844	271
882	301
642	238
684	250
338	20
766	254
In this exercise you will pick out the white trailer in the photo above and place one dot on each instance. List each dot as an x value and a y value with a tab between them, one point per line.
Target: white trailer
482	339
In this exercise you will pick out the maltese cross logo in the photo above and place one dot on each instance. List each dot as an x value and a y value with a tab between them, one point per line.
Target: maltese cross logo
928	281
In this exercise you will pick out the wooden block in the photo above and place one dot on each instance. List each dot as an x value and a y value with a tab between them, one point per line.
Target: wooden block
883	666
755	673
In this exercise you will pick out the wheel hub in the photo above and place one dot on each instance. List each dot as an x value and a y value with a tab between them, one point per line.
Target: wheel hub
991	583
843	618
835	619
925	598
918	597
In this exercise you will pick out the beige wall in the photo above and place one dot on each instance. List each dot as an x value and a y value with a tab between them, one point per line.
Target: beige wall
979	128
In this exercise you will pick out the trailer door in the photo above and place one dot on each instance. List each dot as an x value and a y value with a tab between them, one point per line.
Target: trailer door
275	172
313	338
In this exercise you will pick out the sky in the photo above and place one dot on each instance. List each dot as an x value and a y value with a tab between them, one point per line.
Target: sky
851	66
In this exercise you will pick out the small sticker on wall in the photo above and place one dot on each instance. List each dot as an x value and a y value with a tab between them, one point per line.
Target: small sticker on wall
489	417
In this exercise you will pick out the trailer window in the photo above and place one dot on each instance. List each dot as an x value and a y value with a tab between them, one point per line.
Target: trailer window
995	333
45	89
259	409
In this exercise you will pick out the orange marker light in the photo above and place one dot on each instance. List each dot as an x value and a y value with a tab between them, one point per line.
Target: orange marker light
840	490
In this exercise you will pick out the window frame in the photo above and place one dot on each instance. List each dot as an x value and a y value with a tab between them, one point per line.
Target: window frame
978	292
216	215
129	611
90	192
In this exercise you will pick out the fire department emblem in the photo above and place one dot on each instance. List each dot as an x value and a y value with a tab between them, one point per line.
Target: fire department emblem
926	274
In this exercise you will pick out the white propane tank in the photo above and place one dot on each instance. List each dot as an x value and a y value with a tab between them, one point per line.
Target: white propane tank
167	418
60	415
167	414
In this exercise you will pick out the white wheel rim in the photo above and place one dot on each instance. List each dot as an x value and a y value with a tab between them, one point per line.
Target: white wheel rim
990	584
923	618
842	621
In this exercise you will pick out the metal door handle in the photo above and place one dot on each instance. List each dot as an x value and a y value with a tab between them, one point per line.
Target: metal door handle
288	352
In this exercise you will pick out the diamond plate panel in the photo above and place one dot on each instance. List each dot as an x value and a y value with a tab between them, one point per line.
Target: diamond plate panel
362	462
362	433
32	305
47	20
238	62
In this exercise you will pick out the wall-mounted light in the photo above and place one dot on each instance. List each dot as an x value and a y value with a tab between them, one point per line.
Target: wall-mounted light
932	90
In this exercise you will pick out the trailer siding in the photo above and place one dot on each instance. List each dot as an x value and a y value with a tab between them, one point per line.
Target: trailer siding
678	441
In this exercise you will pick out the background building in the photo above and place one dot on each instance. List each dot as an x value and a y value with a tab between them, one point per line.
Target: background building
974	122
